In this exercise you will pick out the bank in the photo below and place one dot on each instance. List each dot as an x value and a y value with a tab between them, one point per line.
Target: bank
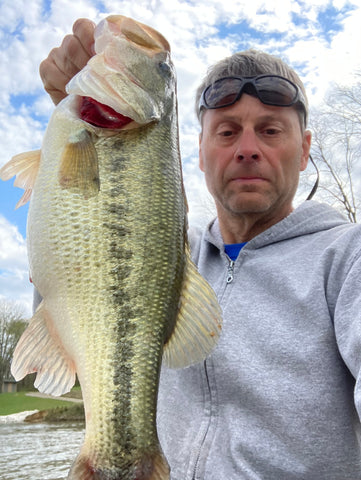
69	413
68	407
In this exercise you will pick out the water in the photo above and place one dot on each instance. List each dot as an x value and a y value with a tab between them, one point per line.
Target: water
38	451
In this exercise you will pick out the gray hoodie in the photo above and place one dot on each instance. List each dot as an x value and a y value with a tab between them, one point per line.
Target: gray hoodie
279	398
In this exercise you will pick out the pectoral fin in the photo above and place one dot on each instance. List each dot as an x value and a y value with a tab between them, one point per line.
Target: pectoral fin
78	170
198	324
40	350
25	166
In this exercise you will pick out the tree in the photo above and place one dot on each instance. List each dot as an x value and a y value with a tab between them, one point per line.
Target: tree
12	325
336	129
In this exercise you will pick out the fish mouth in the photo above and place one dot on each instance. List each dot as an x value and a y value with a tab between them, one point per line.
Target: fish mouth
101	115
113	92
141	35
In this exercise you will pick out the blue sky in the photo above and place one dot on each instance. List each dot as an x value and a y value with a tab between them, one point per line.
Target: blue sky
319	38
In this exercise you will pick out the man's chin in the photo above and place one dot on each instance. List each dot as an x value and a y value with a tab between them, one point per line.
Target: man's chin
250	203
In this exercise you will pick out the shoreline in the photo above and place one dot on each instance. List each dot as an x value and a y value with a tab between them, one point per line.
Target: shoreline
73	412
17	417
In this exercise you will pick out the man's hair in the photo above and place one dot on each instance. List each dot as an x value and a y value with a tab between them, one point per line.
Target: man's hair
248	64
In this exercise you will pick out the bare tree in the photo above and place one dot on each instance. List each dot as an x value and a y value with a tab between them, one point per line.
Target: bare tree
12	325
336	129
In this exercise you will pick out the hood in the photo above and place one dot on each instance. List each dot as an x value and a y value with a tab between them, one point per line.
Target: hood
310	217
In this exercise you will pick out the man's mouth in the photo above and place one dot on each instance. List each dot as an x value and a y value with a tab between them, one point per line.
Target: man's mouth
248	179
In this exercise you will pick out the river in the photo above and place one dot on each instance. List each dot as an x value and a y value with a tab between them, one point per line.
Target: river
38	451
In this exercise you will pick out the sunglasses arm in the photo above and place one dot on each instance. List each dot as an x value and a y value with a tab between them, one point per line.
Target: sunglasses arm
313	191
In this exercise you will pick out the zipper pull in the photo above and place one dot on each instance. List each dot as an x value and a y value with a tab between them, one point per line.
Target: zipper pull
230	271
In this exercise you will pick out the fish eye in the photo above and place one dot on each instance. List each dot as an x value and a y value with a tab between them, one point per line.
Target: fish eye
164	68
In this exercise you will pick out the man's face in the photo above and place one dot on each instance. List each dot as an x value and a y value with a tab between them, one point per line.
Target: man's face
251	155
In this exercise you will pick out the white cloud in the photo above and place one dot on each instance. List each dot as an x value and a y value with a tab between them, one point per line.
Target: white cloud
14	272
345	49
19	133
200	32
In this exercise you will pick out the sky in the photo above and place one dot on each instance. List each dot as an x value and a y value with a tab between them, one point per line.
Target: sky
320	39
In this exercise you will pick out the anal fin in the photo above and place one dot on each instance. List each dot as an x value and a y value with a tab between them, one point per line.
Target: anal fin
40	350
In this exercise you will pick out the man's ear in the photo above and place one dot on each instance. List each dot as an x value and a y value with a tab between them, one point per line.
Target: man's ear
306	147
200	155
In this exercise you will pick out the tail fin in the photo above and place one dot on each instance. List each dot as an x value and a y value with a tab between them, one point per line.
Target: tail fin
149	467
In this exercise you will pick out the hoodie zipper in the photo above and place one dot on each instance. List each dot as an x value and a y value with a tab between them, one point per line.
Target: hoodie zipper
230	271
205	432
229	279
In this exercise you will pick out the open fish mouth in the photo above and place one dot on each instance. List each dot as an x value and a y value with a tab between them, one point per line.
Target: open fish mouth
101	115
114	90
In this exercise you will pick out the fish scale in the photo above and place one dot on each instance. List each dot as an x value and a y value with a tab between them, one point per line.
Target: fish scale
129	297
108	252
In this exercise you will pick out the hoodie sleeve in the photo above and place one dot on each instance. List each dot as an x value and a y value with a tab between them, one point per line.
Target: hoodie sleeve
347	321
36	299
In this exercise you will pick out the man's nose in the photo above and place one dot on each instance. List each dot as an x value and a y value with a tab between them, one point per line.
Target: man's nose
247	148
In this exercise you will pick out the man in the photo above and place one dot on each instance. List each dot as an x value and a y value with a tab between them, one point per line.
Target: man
279	398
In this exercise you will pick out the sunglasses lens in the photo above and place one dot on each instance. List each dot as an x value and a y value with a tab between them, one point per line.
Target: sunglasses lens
276	91
222	93
271	90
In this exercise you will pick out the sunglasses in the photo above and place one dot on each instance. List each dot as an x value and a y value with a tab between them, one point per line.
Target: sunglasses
270	89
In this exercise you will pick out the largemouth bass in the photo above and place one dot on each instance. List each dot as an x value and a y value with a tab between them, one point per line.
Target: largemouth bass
108	252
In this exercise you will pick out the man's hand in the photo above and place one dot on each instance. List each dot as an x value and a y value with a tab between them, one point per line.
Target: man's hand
65	61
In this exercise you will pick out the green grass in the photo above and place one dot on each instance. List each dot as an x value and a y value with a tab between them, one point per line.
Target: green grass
18	402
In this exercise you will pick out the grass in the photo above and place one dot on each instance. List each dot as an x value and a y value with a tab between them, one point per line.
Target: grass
18	402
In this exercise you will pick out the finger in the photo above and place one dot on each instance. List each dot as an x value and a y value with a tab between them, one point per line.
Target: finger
53	78
56	71
66	61
83	30
70	57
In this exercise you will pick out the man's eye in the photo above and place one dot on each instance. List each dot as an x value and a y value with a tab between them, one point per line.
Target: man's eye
226	133
271	131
